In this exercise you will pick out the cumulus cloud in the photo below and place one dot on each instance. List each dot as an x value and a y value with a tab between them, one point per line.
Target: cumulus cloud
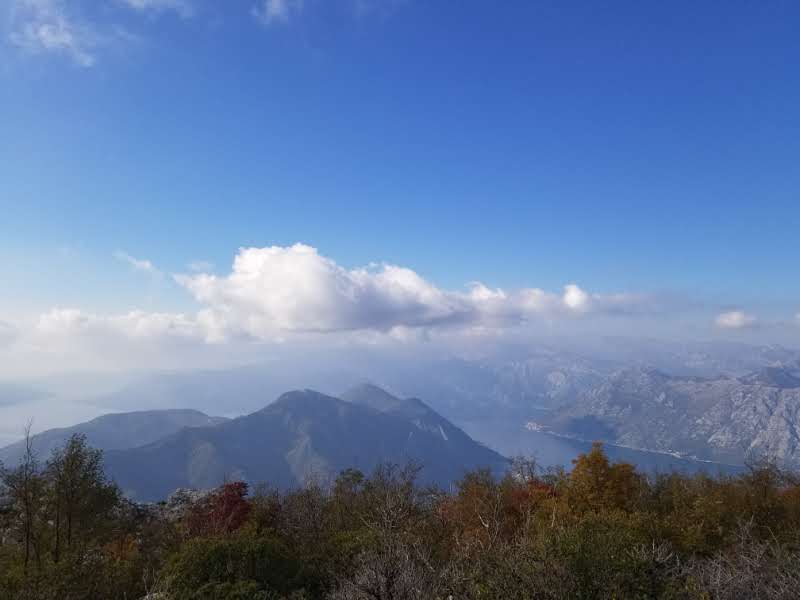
294	294
297	298
268	12
45	26
735	319
181	7
297	289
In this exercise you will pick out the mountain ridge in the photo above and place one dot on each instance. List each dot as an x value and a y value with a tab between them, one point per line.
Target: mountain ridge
723	418
300	437
113	431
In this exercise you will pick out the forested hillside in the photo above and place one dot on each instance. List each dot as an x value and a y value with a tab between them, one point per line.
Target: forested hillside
600	530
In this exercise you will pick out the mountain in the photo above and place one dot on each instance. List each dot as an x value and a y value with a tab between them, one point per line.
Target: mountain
511	382
505	381
113	432
456	444
465	390
721	418
690	358
410	409
302	436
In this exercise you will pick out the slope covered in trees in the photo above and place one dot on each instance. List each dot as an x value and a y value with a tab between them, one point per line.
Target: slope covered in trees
601	530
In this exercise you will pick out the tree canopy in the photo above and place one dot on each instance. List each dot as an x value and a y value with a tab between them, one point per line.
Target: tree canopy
599	530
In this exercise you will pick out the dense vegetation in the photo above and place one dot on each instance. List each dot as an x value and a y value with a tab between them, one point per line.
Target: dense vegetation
599	531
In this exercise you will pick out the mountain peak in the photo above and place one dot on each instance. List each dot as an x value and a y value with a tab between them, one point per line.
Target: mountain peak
377	398
303	399
369	394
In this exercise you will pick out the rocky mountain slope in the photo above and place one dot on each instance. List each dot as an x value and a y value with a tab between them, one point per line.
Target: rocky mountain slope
514	382
457	443
722	418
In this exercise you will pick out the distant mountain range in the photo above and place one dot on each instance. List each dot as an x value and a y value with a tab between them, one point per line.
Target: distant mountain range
727	419
113	432
719	402
513	383
302	436
510	381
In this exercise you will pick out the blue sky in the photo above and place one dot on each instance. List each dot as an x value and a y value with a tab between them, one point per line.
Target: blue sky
639	147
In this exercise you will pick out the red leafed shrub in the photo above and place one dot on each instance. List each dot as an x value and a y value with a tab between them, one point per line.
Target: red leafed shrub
222	512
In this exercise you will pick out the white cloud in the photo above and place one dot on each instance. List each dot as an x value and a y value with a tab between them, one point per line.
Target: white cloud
296	289
735	319
268	12
138	264
70	322
45	26
296	296
576	299
182	7
57	27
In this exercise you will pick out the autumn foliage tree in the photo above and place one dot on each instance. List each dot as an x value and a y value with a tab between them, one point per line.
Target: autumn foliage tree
598	530
596	485
222	512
